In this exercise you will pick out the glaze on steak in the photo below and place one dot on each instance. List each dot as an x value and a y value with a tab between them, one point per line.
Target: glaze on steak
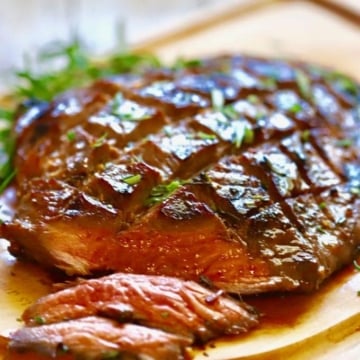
241	171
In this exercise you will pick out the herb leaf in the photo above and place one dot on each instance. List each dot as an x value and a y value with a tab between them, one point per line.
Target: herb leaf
99	141
160	192
7	147
304	83
132	179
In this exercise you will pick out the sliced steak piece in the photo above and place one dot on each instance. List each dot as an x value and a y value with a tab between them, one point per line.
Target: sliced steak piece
97	338
170	304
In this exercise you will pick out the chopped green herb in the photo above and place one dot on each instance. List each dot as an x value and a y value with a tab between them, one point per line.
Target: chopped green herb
295	108
39	320
356	265
6	114
160	192
304	84
345	143
7	147
117	102
322	205
7	180
204	136
78	69
305	136
243	134
99	141
181	63
71	135
269	83
355	190
230	112
253	99
75	70
320	230
344	82
248	135
217	99
132	179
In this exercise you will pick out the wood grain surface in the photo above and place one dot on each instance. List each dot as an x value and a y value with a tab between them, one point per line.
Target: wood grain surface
329	327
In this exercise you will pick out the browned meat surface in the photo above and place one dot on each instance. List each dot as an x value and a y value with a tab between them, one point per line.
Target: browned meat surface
181	307
241	170
98	338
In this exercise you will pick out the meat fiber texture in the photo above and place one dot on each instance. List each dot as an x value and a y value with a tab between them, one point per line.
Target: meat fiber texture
128	316
241	171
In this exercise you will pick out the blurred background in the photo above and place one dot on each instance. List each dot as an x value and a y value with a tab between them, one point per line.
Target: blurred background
324	31
105	25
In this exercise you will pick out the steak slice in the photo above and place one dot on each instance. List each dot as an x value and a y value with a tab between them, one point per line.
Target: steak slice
220	171
97	338
180	307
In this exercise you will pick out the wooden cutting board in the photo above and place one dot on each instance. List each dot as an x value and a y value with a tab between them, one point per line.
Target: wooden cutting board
326	324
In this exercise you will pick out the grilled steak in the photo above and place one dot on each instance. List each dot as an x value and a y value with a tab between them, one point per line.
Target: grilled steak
181	307
240	170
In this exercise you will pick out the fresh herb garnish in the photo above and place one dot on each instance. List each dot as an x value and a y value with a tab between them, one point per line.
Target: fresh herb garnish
203	136
356	265
99	141
345	143
295	108
345	83
77	70
7	146
6	114
253	99
182	63
269	83
304	83
39	320
320	229
305	136
230	112
132	179
71	135
63	66
7	179
243	134
322	205
160	192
